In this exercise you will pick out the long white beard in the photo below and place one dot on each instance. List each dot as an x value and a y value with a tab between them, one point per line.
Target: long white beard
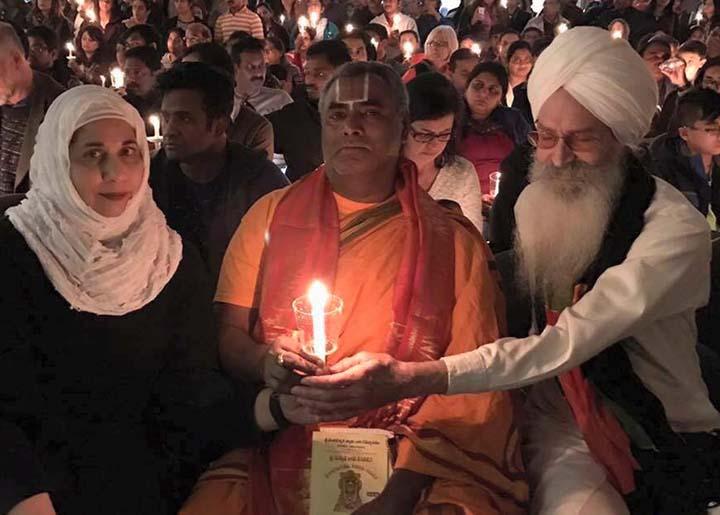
562	216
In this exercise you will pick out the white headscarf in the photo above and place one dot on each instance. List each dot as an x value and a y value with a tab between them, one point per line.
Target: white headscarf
443	32
106	266
605	75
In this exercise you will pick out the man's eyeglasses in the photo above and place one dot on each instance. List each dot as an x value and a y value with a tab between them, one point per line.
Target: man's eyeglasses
576	142
427	137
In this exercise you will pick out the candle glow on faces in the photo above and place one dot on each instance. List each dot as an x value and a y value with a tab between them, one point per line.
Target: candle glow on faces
318	296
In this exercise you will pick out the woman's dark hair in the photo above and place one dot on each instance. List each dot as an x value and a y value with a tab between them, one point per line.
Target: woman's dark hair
276	43
495	69
55	9
710	63
115	12
517	45
213	85
365	38
433	96
96	34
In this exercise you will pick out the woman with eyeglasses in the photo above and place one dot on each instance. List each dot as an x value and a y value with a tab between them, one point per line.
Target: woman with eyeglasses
434	116
439	46
490	130
520	61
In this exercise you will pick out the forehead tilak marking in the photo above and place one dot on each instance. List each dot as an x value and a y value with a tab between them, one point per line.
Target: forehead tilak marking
347	92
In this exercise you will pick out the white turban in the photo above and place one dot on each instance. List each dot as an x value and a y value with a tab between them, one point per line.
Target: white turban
605	75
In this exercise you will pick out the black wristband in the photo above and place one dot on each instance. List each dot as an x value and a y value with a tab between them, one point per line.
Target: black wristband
277	412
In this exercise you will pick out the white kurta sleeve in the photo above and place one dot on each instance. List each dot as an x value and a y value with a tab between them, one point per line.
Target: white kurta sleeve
666	272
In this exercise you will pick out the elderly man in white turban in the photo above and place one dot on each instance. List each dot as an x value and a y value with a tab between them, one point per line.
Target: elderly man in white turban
618	416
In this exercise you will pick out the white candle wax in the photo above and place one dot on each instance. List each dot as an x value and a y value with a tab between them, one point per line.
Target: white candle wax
155	122
117	78
318	297
103	80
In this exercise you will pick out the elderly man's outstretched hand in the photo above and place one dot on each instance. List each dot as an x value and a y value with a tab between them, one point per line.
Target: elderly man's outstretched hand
354	385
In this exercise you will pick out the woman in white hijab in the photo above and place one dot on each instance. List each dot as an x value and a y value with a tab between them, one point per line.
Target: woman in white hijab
107	327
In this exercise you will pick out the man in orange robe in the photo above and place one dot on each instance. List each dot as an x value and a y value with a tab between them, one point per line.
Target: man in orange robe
416	283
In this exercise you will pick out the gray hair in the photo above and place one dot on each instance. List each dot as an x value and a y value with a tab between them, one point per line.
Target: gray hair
396	89
9	38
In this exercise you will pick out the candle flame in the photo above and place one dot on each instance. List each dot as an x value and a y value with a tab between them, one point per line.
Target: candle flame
70	47
475	49
314	19
503	4
699	17
90	14
408	49
374	42
563	27
349	28
302	23
617	34
282	19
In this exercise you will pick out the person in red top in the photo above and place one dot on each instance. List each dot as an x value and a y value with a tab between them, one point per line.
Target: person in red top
491	130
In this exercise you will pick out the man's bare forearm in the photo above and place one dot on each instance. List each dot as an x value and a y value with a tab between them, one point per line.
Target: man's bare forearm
240	355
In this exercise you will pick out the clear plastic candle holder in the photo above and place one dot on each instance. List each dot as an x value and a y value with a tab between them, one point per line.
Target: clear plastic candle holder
495	184
330	318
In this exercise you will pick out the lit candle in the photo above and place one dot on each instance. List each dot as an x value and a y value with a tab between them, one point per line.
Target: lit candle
282	19
563	27
408	50
475	49
318	297
396	21
497	185
617	34
374	42
699	17
503	4
314	19
155	122
70	48
117	78
102	80
349	28
302	23
90	15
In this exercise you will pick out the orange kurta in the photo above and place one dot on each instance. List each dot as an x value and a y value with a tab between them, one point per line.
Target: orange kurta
469	443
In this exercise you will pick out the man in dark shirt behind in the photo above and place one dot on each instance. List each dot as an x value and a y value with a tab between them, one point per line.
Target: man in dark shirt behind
25	96
297	125
204	183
